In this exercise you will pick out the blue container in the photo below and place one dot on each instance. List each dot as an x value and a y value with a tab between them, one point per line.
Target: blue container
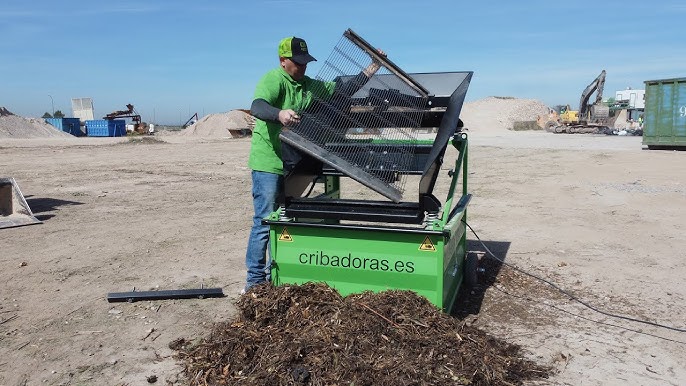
106	128
68	125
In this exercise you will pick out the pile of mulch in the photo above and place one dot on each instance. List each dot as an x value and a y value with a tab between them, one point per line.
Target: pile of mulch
310	335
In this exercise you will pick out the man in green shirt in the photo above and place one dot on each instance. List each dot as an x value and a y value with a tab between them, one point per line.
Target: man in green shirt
279	96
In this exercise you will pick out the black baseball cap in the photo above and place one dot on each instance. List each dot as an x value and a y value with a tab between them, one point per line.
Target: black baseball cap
295	49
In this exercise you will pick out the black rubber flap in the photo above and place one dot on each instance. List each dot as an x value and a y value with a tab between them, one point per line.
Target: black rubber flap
446	131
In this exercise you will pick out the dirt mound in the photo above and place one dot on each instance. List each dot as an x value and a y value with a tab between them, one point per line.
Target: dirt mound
500	113
310	335
14	126
221	124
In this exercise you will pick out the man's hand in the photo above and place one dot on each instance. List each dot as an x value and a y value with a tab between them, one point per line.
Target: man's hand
289	118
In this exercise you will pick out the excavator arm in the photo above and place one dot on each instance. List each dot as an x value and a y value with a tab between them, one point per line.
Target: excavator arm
597	85
191	120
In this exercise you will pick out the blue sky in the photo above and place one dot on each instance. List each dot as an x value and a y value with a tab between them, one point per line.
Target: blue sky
173	58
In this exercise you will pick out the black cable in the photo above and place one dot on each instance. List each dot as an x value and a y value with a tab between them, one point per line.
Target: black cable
314	181
587	318
567	293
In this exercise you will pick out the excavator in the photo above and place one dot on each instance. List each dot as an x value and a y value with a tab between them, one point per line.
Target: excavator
138	126
590	118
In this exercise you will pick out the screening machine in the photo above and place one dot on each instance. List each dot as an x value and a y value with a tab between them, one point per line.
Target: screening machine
399	235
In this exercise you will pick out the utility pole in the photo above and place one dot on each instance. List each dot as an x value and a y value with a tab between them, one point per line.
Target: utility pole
52	103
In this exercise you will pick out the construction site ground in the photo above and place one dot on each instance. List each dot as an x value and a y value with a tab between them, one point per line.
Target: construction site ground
596	215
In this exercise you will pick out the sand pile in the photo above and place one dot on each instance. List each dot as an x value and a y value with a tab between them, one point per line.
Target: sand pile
499	113
14	126
310	335
227	124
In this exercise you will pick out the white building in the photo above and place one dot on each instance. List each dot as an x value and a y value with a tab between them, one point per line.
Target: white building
635	98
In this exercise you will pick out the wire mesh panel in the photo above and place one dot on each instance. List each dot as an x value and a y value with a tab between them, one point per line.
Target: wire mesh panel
366	128
82	108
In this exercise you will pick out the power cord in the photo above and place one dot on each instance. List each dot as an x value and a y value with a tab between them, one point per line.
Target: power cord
586	318
314	182
568	294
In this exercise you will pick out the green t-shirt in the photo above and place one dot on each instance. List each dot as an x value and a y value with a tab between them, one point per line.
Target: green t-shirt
281	91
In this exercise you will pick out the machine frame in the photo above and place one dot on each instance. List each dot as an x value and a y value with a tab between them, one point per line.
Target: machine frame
430	259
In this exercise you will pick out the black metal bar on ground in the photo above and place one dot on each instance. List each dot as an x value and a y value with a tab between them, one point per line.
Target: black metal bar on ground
197	293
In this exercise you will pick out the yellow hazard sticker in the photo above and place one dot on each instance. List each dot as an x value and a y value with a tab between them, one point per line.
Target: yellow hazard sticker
427	245
285	236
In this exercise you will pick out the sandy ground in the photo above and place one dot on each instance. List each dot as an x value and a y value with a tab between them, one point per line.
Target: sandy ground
597	215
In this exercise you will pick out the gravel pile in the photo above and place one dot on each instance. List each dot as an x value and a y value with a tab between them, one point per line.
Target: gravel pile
14	126
221	124
500	113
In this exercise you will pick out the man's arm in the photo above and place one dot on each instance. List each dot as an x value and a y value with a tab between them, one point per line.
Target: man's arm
356	83
261	109
265	105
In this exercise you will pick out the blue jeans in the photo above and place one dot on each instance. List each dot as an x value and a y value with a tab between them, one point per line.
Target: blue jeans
266	188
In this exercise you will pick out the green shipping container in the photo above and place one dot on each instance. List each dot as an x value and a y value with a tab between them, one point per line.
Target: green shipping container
664	124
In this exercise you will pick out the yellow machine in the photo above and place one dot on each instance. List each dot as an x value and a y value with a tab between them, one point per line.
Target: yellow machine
569	116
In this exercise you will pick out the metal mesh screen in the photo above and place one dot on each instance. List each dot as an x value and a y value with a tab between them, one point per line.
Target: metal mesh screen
82	108
367	129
